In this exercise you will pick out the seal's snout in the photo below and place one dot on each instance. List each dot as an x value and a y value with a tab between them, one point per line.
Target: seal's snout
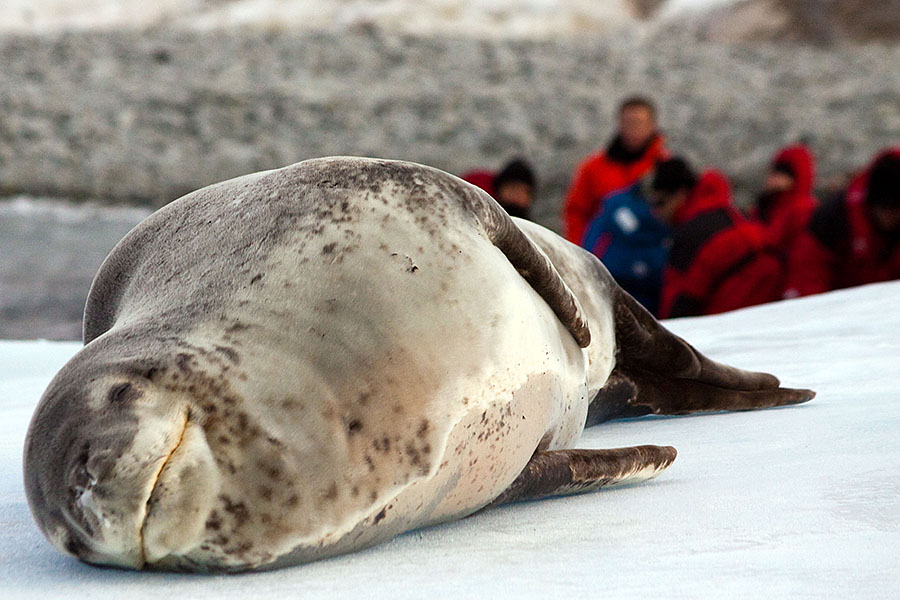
97	517
86	493
183	495
134	507
102	454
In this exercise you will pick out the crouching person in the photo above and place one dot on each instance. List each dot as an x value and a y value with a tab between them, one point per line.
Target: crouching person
787	202
853	238
632	243
719	260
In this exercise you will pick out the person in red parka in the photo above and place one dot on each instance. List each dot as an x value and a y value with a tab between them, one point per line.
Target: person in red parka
719	260
512	187
632	153
854	238
786	203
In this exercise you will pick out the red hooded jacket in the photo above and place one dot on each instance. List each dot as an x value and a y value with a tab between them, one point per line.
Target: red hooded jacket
719	260
841	247
786	214
597	177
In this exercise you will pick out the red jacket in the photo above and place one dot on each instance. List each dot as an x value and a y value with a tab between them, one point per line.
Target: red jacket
841	248
719	260
482	178
786	214
598	176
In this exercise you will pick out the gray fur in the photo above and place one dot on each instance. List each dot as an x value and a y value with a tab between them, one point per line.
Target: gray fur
307	361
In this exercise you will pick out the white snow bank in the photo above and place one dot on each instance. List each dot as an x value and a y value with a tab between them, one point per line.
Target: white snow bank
800	502
65	211
479	18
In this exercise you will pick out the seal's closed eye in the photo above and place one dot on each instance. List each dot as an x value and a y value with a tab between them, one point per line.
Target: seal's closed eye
123	392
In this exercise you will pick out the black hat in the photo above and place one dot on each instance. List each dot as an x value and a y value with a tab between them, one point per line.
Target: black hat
673	175
515	170
884	182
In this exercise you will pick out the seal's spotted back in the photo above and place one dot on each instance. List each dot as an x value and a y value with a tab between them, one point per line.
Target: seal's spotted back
302	362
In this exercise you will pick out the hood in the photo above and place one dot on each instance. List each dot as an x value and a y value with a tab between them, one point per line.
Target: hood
856	192
802	164
712	191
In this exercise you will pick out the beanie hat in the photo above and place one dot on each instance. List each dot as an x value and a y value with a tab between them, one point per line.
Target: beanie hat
515	170
884	182
673	175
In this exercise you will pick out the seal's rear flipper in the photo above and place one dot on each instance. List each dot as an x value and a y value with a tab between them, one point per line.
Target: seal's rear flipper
565	472
659	373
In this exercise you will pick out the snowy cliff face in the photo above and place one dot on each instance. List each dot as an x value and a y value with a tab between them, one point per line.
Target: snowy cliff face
824	22
156	99
509	18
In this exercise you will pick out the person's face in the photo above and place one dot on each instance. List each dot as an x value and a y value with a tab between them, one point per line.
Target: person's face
637	126
887	219
776	181
515	193
666	204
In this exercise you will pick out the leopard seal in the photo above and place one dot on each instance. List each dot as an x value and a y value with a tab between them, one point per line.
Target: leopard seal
302	362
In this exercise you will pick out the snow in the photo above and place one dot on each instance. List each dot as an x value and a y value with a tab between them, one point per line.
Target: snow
798	502
61	210
512	18
677	6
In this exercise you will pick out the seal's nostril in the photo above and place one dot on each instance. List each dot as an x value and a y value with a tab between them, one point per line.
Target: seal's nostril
82	458
80	469
92	517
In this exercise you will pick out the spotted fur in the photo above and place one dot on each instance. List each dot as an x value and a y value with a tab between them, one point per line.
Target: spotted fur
303	362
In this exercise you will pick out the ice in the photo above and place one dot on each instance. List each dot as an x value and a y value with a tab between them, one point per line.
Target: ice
798	502
512	18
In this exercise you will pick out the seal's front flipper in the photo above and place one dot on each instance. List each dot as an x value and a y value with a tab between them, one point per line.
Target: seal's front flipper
659	373
532	264
564	472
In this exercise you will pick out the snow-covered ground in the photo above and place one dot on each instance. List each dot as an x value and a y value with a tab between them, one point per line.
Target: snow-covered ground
800	502
513	18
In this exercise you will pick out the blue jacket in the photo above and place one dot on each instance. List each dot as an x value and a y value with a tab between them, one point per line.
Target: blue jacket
632	243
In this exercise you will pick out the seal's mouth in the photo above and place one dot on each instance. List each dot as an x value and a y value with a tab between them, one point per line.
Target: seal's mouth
184	492
153	488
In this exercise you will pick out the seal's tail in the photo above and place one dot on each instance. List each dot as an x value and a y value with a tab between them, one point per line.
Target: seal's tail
659	373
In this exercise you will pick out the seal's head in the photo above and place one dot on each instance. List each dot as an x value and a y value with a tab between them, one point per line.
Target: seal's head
149	451
116	471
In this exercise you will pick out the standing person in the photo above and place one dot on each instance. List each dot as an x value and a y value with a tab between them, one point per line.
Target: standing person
719	260
632	243
854	238
786	203
513	187
632	153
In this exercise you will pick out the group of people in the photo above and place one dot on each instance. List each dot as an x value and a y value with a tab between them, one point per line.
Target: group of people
673	237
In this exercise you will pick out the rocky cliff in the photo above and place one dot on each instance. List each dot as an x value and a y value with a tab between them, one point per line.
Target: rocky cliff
149	115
